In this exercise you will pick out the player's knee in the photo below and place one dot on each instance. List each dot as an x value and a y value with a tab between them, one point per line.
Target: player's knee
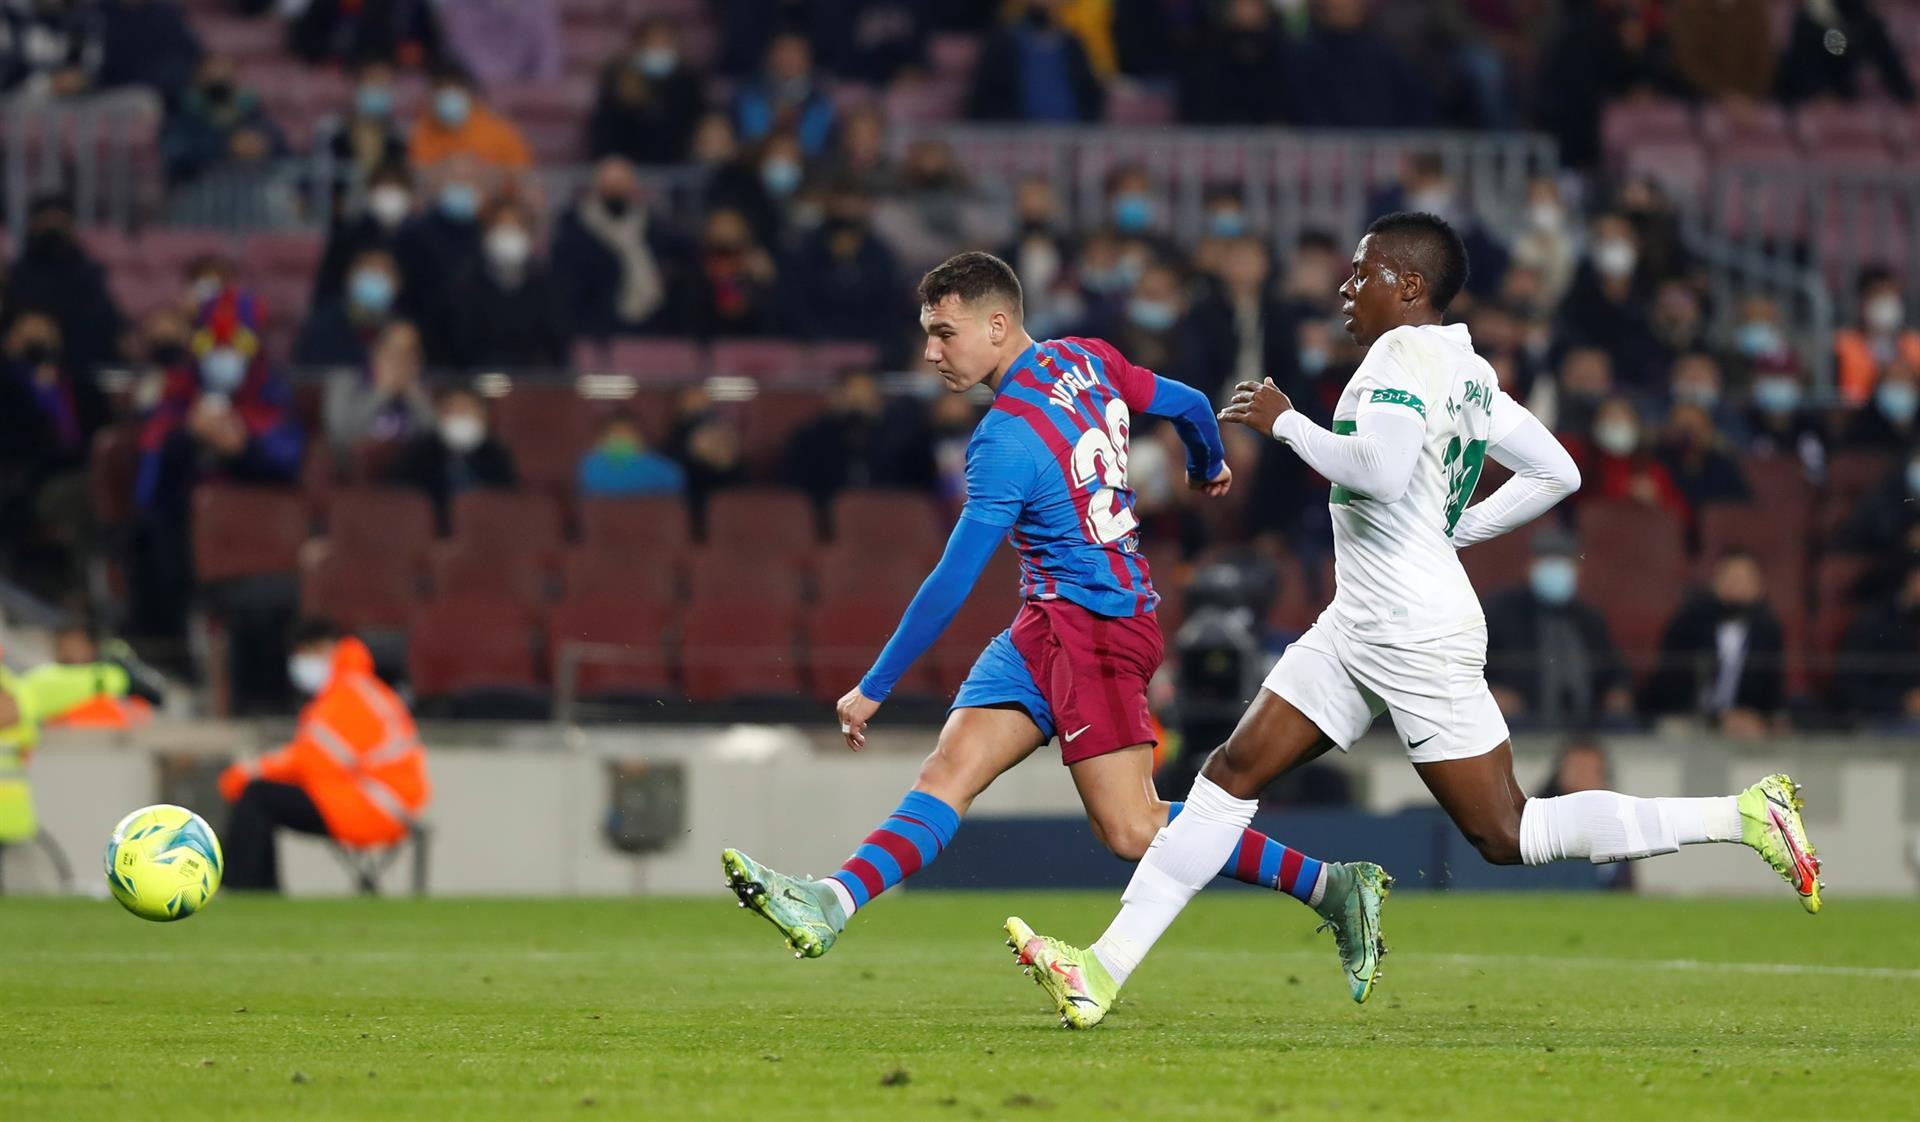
1127	838
1498	842
1233	768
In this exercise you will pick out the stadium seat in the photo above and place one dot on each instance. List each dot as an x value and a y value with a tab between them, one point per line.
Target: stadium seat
359	591
1627	120
613	647
1849	476
548	428
1630	537
1829	122
719	574
656	360
908	521
841	571
986	613
115	467
369	461
1776	536
639	525
380	521
465	571
758	521
247	531
1501	563
595	573
763	360
1680	165
848	354
523	522
1722	125
843	637
770	421
743	647
473	647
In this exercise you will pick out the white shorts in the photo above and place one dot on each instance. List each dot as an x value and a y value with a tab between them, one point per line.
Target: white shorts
1436	691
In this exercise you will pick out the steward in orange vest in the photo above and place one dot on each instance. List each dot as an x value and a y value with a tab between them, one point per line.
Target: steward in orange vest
354	771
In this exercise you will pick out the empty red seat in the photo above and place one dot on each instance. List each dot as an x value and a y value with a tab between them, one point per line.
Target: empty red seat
716	574
763	520
770	422
1776	536
631	526
1500	563
360	592
1835	603
656	359
247	531
383	521
524	522
654	575
847	354
843	637
464	571
458	646
844	571
904	520
1635	538
742	647
1631	119
604	647
759	359
1680	165
1834	122
1849	476
548	428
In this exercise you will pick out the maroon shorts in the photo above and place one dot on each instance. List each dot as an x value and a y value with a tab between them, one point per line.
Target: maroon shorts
1093	672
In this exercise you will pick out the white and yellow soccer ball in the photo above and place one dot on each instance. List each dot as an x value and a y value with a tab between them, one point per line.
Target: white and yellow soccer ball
163	862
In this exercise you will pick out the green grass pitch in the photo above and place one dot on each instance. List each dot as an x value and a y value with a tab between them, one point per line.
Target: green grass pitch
1535	1007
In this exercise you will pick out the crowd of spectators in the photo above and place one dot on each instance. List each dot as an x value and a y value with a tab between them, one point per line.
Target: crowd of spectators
441	259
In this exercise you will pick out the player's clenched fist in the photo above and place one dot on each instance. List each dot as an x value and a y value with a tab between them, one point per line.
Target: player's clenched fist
855	710
1220	484
1257	405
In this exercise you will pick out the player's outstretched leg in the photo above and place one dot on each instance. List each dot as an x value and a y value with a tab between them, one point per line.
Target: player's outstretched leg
803	909
1346	895
1074	979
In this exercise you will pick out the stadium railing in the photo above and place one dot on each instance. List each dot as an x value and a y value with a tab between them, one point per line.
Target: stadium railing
104	149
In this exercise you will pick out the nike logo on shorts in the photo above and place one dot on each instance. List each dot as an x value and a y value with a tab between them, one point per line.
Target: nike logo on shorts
1412	744
1068	738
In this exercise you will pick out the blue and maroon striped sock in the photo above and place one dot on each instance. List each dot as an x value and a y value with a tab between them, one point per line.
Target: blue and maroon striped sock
1258	859
911	837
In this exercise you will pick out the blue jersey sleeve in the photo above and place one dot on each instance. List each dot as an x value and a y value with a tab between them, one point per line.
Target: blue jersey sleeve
1192	416
933	607
1000	475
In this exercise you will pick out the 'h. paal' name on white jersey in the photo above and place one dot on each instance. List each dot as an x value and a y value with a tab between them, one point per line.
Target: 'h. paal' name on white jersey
1397	578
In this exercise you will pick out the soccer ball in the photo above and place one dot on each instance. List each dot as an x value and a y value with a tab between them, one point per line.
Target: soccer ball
163	862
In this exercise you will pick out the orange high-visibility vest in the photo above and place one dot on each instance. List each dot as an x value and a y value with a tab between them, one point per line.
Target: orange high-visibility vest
1854	366
355	754
106	712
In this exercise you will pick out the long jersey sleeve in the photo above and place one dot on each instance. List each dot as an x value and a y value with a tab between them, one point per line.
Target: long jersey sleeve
933	607
1543	474
1192	417
1377	459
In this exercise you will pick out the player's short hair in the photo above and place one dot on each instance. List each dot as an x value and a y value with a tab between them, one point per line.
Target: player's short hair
972	276
1431	247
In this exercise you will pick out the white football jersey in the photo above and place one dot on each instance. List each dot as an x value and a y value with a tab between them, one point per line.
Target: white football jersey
1397	578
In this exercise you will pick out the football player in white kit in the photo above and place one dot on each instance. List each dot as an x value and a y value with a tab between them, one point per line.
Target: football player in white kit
1405	634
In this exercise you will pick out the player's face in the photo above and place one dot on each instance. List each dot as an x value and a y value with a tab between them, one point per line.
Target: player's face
1372	295
961	343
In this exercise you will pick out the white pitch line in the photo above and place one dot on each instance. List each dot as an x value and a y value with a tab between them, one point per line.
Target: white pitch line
1670	964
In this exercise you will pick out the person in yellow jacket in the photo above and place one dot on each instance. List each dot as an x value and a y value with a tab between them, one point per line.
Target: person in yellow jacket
31	698
354	771
74	645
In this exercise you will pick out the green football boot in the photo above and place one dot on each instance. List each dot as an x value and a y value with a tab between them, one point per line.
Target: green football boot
805	910
1770	823
1351	909
1081	989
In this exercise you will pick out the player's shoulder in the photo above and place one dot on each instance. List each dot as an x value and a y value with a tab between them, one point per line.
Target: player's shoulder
1083	345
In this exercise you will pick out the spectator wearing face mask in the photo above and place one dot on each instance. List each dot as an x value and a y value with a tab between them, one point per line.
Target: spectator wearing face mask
441	244
458	121
1888	422
846	281
760	184
862	440
1699	458
1606	306
1695	379
224	415
1240	333
1722	657
1779	422
1760	342
621	466
367	137
650	100
786	96
506	310
1550	660
1223	220
384	400
381	223
614	265
1616	466
1033	70
1877	667
733	282
217	124
48	416
1546	244
1042	255
1881	337
455	456
339	332
54	275
1151	328
1135	211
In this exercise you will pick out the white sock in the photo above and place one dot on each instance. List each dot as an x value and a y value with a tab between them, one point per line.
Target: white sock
1605	826
1185	856
841	894
1319	892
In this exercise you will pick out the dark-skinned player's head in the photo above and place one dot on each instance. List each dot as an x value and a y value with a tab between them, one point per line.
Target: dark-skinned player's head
970	307
1406	270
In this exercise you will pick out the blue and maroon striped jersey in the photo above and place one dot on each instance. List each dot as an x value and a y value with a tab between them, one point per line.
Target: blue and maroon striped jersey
1049	464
